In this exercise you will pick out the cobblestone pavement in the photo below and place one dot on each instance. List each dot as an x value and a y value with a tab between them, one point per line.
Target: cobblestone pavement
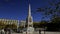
43	33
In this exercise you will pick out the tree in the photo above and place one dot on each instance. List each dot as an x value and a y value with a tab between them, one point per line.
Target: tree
36	25
40	24
55	20
2	25
54	25
21	27
53	9
12	26
43	24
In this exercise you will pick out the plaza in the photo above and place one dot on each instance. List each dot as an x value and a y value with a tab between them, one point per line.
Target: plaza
25	23
42	33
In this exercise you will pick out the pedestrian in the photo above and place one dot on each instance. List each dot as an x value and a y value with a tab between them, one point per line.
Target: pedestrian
39	31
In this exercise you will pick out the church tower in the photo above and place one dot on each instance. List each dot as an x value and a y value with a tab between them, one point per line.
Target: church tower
29	19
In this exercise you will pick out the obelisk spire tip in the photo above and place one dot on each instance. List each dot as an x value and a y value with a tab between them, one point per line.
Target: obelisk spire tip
29	10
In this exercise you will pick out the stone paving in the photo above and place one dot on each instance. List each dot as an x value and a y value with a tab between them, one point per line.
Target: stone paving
52	32
37	32
43	33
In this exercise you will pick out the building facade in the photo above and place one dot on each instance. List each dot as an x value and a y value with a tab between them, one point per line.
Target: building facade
9	21
22	23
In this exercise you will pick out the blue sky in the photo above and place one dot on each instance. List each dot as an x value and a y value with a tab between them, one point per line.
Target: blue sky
18	9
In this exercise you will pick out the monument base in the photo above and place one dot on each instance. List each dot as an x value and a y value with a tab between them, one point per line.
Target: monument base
30	30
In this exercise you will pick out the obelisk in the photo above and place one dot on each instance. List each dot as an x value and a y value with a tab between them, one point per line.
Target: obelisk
29	21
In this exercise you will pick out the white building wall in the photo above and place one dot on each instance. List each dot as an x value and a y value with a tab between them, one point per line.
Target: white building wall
9	21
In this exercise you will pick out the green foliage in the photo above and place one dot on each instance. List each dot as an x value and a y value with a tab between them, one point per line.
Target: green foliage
12	26
2	25
54	25
40	24
52	9
36	25
21	27
55	20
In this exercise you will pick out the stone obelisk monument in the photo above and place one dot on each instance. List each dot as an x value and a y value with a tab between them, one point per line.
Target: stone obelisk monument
29	22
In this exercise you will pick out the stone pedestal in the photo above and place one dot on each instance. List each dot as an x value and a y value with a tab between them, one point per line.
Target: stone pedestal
30	30
42	32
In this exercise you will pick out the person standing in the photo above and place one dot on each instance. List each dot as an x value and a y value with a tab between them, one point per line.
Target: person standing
39	31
